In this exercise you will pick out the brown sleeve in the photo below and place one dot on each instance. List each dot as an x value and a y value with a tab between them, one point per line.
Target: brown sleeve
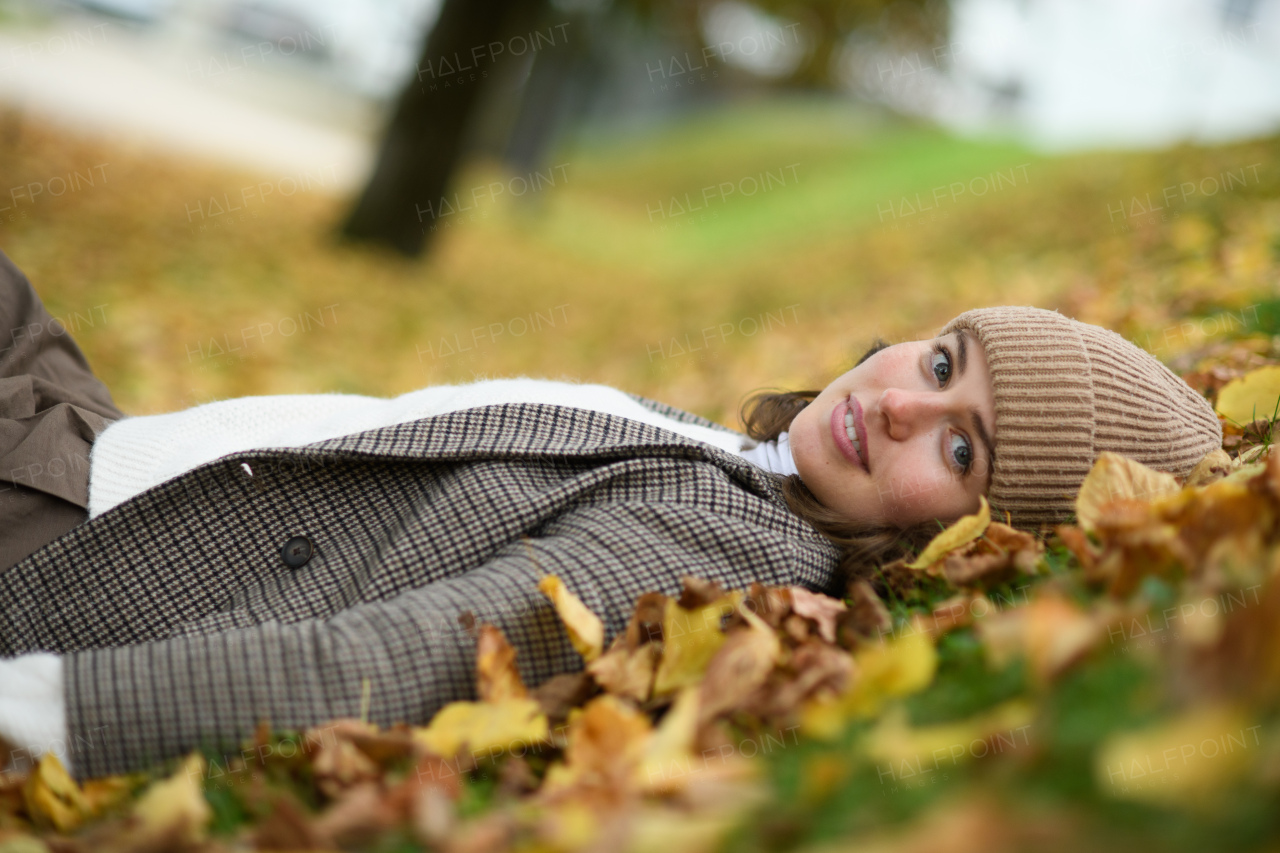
52	407
31	519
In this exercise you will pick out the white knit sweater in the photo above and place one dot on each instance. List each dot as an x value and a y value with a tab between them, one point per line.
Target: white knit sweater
136	453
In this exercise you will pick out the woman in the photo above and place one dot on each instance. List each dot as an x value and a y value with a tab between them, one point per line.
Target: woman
291	558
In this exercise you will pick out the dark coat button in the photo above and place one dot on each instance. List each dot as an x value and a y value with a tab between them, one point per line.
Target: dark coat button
297	551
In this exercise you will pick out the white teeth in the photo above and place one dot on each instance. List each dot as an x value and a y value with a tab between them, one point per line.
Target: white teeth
853	437
848	419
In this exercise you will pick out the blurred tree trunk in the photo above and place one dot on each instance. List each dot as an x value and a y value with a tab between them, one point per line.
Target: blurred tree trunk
423	141
559	87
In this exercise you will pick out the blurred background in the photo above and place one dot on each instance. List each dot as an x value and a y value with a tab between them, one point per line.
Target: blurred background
687	200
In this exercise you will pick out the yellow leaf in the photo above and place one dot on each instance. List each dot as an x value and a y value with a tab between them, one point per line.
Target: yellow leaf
1191	760
897	668
483	727
883	671
1243	474
175	809
1215	465
690	638
1253	395
964	531
668	754
21	844
906	749
659	830
497	677
586	631
107	792
740	666
568	825
53	798
606	741
1114	477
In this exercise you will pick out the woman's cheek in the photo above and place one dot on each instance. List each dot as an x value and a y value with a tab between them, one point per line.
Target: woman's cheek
915	497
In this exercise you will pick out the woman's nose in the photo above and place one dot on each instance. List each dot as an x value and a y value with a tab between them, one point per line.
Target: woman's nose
907	412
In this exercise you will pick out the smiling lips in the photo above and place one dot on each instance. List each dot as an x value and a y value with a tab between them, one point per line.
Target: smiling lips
849	431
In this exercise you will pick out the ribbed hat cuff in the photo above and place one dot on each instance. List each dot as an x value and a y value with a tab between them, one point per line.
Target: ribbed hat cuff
1045	414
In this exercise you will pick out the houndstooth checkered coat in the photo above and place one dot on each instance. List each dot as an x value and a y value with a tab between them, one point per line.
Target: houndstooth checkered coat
183	626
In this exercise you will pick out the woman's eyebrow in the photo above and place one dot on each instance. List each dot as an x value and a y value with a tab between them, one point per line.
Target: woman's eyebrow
962	355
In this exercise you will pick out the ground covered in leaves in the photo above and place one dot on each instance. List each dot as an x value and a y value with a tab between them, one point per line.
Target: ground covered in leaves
1104	684
1107	685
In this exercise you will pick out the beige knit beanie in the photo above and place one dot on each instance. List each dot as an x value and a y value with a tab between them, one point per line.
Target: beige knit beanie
1064	392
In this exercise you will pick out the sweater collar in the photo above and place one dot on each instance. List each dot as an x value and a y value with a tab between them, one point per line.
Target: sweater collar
774	456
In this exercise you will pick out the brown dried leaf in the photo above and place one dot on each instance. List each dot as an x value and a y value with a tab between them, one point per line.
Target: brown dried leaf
822	609
1269	480
1008	538
626	672
967	569
884	671
434	816
384	746
359	816
1075	541
1244	660
287	826
866	618
796	628
1051	632
770	603
646	622
897	578
492	833
338	763
698	592
958	612
561	693
813	668
1156	549
740	666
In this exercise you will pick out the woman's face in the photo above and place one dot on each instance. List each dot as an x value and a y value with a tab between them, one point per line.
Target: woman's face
922	419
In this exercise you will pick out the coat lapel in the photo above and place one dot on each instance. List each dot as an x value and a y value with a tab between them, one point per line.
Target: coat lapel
519	430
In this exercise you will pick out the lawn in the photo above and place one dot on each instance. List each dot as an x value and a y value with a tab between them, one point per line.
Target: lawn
599	278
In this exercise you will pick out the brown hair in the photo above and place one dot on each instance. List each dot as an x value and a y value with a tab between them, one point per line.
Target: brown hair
863	547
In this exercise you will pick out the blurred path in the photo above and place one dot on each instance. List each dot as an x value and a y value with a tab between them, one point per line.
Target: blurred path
171	93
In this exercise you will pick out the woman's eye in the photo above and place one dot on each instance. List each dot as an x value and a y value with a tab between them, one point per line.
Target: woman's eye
941	365
962	452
